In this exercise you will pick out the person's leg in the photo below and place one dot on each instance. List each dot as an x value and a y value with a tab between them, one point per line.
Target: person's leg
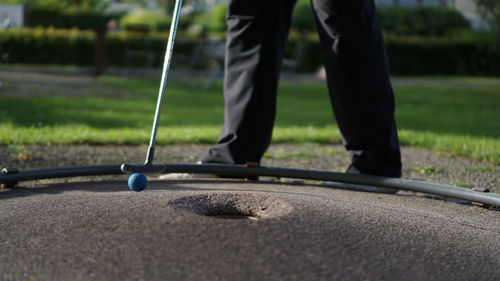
257	31
358	81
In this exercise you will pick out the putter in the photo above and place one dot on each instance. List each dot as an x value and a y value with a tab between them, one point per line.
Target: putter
148	166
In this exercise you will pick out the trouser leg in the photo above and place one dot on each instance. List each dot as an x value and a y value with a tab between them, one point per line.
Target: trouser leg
257	31
359	85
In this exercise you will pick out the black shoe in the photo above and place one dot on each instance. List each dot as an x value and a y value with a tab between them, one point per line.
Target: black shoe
352	170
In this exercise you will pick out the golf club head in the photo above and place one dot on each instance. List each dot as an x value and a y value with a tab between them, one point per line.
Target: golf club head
141	168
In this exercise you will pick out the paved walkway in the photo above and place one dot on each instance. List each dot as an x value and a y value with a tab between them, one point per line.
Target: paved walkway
102	231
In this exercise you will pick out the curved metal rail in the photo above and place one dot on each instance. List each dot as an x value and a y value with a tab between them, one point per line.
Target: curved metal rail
11	177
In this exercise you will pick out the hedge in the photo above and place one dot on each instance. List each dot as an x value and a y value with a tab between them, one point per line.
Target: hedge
148	20
407	55
444	56
47	46
422	20
76	47
421	56
130	50
213	19
54	17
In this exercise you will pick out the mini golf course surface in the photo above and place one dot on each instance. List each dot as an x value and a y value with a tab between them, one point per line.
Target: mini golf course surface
240	230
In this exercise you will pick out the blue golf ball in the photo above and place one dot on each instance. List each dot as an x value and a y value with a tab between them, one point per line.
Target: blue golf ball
137	182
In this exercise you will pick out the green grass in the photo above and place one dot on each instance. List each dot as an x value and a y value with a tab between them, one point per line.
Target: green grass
425	169
449	117
481	169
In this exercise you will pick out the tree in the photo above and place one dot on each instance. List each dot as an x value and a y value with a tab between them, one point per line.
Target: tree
303	18
490	9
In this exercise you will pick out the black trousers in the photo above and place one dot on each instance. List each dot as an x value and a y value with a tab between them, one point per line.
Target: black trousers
357	76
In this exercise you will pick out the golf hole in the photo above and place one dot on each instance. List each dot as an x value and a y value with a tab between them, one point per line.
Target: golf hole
230	206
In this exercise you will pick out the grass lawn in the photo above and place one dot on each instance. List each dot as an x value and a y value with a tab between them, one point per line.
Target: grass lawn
459	115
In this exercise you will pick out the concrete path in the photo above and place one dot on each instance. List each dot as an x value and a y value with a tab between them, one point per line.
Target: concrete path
102	231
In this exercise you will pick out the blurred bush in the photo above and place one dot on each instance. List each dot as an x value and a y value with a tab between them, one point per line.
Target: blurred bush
46	46
466	55
70	5
422	21
146	21
469	54
212	20
76	47
127	49
303	18
422	41
490	10
47	16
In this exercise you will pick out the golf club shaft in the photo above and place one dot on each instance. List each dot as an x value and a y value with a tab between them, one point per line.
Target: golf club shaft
163	84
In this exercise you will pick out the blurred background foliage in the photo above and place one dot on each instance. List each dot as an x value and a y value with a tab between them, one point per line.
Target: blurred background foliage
70	5
397	20
145	20
490	10
420	40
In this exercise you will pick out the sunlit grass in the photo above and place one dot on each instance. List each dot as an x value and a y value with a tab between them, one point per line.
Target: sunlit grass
459	118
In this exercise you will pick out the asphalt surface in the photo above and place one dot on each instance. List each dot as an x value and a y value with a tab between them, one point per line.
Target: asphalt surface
294	231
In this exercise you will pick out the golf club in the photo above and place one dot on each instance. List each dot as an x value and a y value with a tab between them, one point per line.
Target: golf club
148	167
